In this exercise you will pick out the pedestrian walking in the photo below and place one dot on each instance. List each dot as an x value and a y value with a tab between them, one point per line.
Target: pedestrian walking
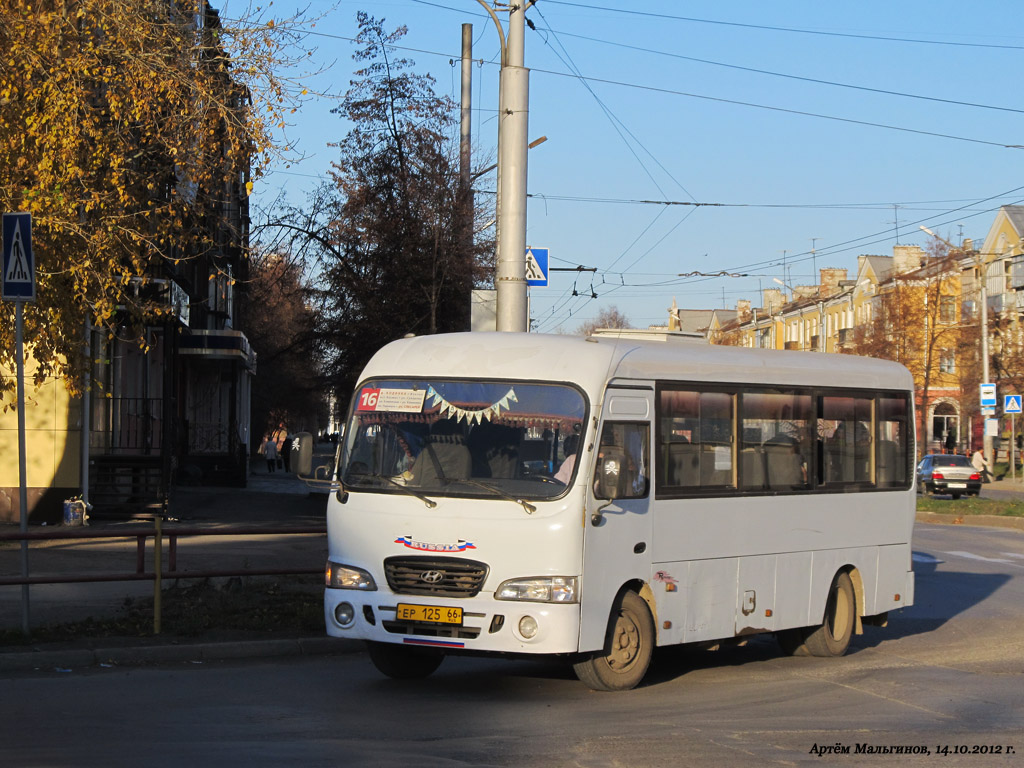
270	452
286	452
981	466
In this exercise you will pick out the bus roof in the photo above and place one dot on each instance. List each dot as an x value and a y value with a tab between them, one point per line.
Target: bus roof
593	361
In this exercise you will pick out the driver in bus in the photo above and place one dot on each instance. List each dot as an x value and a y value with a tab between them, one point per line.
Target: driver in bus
569	447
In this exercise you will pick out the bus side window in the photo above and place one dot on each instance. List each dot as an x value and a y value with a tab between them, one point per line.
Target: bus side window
623	461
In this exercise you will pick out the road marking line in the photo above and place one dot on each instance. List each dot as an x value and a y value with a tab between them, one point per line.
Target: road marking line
972	556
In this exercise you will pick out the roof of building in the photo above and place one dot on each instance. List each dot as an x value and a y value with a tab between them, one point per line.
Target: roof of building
1015	213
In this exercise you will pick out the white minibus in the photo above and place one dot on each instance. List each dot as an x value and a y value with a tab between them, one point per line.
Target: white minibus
593	498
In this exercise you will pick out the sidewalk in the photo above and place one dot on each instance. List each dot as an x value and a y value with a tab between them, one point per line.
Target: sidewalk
270	499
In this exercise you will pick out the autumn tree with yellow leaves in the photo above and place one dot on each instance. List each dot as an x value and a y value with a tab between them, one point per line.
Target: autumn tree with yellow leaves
124	127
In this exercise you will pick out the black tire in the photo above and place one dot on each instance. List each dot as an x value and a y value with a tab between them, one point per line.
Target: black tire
791	641
629	647
955	496
403	662
832	638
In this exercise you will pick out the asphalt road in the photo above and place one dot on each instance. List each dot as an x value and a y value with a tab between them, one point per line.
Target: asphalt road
946	673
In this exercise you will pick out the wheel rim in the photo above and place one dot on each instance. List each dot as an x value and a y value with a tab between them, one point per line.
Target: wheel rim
625	643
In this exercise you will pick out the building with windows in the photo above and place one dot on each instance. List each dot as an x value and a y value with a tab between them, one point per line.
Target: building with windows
906	307
176	408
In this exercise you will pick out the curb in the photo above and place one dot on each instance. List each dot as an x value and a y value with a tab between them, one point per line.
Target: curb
69	659
987	521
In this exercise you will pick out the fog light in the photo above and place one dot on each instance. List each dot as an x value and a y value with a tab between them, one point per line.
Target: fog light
344	614
528	627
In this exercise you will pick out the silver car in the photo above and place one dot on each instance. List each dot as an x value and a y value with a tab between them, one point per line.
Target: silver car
948	473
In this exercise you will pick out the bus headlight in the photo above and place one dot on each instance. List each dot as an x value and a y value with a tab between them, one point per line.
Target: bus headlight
338	576
540	589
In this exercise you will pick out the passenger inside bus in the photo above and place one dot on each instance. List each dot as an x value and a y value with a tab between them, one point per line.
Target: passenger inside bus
495	450
444	457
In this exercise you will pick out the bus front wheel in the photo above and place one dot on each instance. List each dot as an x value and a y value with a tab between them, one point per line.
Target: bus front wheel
403	662
628	650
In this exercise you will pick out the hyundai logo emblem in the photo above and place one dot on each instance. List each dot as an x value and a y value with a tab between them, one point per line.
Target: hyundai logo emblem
431	577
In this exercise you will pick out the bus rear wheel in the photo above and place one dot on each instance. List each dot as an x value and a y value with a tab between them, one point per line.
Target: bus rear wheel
629	648
832	636
404	662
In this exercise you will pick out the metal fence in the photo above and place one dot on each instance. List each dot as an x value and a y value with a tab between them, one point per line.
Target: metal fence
156	571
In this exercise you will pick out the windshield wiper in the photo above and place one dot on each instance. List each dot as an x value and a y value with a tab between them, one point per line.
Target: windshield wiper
429	502
530	508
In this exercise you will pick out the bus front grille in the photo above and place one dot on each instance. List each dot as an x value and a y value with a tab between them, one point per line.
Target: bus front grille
438	576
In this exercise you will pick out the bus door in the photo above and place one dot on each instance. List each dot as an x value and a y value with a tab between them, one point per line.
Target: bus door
617	540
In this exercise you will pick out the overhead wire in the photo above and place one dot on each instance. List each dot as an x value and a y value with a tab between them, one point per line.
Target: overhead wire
765	27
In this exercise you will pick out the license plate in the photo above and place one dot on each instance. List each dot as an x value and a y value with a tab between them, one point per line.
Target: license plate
434	614
956	485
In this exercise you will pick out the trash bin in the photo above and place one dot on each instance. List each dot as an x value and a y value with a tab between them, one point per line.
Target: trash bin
74	512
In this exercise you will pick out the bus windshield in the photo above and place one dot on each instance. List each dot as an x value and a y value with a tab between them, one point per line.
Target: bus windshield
501	439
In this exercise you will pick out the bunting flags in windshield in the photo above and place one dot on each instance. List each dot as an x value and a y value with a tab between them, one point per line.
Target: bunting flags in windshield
475	416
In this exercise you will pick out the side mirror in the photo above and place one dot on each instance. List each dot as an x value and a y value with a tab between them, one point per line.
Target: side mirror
302	454
612	477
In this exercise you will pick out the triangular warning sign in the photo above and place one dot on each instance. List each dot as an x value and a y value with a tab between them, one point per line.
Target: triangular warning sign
18	269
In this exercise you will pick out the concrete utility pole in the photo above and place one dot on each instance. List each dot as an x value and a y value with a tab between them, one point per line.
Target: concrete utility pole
513	125
466	129
465	124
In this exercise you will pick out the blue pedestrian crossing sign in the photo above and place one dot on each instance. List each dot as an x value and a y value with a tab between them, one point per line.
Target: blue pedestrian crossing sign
536	266
19	268
1011	404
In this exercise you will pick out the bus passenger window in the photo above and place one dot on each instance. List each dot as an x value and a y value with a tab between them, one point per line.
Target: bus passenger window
776	441
623	461
695	443
844	429
893	465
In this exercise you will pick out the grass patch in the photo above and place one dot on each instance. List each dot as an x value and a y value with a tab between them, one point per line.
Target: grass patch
971	505
236	609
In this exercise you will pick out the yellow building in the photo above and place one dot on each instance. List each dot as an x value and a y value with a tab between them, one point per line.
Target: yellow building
53	452
905	307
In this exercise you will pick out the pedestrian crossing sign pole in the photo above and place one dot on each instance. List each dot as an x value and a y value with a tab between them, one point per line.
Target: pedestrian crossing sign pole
19	286
1012	406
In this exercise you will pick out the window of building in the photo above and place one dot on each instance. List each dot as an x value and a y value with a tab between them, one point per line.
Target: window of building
947	309
947	361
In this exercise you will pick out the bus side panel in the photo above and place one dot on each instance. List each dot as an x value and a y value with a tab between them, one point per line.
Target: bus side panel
709	596
755	595
793	590
894	575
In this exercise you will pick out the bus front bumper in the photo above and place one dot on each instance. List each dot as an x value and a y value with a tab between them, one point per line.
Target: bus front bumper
479	624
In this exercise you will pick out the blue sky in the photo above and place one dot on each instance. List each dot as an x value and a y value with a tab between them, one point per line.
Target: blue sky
667	115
